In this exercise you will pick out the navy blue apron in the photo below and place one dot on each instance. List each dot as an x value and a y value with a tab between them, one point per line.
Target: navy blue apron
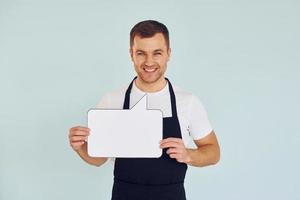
151	178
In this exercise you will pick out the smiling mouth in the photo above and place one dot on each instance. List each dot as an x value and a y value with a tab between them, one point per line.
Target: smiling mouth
149	70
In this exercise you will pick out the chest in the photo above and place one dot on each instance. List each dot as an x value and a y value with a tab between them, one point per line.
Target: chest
163	103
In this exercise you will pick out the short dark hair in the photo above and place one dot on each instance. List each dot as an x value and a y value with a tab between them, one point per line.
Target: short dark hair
149	28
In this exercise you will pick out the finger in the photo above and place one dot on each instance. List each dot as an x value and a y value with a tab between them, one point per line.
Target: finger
171	139
171	145
174	155
77	138
82	128
76	144
79	132
173	151
177	156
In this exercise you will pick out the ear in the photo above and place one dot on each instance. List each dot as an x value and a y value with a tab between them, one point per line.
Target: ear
169	53
131	53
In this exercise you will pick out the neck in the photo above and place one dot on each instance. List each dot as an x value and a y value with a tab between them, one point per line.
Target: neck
151	87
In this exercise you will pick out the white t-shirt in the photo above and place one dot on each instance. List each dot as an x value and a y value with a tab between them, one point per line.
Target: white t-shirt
192	116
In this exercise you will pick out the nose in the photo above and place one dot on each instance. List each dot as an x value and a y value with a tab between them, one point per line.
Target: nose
149	61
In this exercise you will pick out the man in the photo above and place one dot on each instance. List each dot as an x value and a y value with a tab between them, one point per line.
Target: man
184	116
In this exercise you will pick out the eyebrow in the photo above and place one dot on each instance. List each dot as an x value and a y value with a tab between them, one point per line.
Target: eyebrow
156	50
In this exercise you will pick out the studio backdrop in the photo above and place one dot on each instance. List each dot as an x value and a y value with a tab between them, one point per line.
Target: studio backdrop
240	58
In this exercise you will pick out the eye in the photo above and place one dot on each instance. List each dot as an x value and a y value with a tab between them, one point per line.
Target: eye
139	53
157	53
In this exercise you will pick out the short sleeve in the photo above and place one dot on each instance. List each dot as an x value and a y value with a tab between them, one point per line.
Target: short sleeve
104	102
199	125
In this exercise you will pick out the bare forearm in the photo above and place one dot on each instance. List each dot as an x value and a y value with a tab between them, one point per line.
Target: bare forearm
204	155
96	161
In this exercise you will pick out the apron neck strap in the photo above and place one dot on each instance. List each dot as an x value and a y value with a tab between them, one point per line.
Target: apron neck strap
127	95
171	91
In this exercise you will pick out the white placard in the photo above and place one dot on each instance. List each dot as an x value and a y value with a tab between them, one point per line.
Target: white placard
125	133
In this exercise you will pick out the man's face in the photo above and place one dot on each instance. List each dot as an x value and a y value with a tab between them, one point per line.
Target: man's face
150	57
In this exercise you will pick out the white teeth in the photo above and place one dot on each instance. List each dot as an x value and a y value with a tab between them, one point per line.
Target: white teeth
149	70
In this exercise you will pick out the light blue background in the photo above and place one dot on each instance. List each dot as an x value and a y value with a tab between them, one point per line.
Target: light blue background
241	58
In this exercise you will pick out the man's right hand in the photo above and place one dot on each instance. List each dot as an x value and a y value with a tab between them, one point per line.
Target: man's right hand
77	137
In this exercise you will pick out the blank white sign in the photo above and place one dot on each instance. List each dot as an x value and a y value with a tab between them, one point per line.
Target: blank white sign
125	133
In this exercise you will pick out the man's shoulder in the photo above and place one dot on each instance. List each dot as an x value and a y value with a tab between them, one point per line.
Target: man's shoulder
114	98
183	93
187	98
117	92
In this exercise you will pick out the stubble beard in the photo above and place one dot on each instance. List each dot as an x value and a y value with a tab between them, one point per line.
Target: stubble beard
145	80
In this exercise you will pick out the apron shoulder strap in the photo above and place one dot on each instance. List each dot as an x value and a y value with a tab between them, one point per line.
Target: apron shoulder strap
172	98
127	96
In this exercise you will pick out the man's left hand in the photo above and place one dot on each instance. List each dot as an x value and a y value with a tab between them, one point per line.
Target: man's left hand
176	149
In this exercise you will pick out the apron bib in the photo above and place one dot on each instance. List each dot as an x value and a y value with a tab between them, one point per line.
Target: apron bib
151	178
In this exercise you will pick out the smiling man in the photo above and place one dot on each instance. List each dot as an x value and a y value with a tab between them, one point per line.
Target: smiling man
184	117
